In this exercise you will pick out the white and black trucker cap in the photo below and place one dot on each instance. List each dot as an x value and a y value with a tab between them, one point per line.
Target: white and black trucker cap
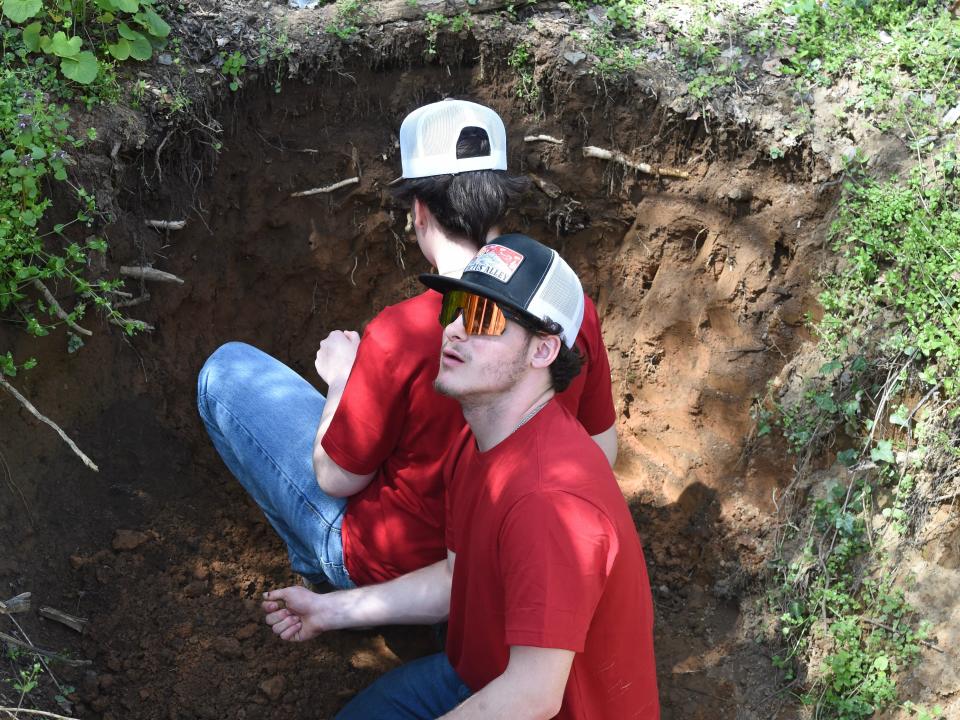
526	277
429	136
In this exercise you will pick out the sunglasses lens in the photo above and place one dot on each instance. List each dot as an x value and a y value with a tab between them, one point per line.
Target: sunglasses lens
481	316
453	304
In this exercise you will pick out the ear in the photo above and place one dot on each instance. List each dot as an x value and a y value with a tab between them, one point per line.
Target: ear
543	350
421	213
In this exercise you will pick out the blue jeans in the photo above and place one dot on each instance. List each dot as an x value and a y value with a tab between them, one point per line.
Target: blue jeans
262	418
423	689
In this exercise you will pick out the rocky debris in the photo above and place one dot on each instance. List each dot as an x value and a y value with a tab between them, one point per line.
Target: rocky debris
273	687
227	647
127	540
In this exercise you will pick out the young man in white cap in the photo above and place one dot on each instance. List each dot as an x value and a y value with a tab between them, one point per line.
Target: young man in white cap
545	584
352	482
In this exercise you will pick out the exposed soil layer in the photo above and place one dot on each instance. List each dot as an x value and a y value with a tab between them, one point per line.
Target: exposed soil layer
702	286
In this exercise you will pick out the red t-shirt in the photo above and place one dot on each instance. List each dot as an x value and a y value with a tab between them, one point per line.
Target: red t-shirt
547	556
392	422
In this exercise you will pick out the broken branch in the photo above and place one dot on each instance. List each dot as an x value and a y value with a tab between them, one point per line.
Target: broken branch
149	273
166	224
15	711
43	418
326	189
543	138
139	325
546	187
132	302
61	313
17	604
646	168
71	621
45	653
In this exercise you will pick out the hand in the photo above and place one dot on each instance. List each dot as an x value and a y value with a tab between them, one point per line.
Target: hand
294	613
336	356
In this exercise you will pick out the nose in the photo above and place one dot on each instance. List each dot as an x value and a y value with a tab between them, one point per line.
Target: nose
455	330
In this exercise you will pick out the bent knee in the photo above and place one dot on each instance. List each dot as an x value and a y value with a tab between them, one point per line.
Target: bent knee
227	366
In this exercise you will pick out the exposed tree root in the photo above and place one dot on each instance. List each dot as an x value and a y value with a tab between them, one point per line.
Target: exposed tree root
166	224
17	604
646	168
326	188
58	309
43	418
149	273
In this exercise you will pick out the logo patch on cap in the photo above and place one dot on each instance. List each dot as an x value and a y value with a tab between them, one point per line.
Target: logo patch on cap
496	261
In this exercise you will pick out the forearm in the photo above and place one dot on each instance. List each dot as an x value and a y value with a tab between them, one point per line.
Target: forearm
418	598
607	440
531	688
332	479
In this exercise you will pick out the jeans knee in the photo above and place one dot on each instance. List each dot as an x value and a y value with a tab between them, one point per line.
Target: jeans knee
220	370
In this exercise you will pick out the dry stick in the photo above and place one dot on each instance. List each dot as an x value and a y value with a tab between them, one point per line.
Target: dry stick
44	653
543	138
619	157
43	418
138	324
166	224
326	189
901	632
17	604
58	309
132	302
149	273
39	657
546	187
13	712
8	476
71	621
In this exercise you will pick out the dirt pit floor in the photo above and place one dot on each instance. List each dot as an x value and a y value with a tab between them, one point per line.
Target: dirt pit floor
702	285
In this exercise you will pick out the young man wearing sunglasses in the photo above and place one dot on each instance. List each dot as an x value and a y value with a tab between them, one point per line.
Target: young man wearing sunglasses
352	482
545	584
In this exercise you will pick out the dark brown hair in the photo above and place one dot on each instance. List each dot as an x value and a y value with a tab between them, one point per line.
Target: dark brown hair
469	203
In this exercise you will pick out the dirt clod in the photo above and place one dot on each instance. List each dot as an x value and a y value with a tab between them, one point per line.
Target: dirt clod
126	540
273	687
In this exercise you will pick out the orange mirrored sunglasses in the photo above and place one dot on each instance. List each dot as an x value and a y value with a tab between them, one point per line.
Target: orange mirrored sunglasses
481	316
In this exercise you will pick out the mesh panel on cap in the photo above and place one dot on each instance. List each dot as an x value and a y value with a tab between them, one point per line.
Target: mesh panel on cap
562	291
443	125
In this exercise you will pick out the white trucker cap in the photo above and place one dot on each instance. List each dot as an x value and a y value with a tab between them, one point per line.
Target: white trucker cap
429	135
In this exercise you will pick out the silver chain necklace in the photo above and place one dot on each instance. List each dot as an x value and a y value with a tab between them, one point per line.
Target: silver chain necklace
530	413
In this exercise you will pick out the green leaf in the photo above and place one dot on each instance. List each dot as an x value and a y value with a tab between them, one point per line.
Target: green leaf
901	416
31	36
130	6
64	47
883	452
141	49
120	49
8	156
830	367
153	23
20	10
128	32
82	69
847	457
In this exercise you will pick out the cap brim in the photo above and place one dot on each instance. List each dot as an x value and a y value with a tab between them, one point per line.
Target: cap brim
443	283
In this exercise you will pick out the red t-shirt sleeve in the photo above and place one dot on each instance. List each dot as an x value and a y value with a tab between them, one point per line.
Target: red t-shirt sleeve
369	420
556	551
596	411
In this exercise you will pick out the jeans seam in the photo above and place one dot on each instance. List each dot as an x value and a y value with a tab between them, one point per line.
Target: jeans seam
206	395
